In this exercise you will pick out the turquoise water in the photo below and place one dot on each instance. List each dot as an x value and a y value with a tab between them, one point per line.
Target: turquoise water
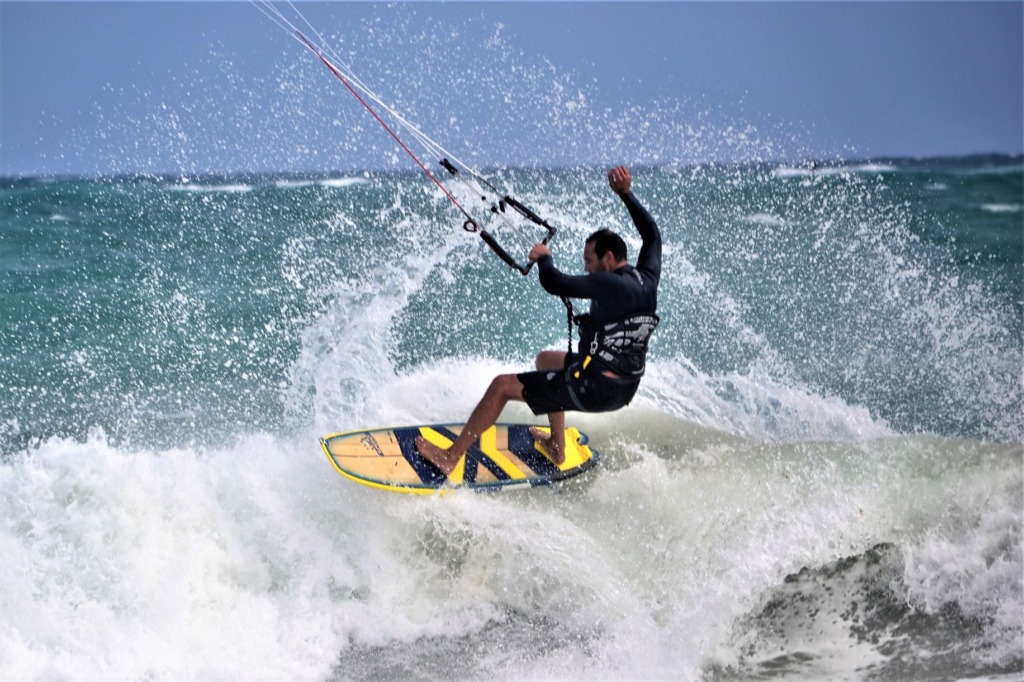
832	416
172	313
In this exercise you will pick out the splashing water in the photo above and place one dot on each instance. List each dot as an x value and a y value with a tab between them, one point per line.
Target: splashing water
820	477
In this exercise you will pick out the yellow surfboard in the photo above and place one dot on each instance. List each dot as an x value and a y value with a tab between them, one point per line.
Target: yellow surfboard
504	457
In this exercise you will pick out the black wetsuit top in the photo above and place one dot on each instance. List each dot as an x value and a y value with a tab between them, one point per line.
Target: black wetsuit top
619	294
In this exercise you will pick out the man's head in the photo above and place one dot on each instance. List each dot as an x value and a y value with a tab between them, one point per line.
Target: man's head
604	251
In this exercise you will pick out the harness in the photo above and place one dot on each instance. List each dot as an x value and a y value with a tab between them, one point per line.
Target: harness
619	345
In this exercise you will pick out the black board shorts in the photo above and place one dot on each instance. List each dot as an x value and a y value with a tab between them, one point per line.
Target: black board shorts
558	390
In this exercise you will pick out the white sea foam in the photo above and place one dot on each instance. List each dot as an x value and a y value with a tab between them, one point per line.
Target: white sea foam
872	168
1001	208
793	172
817	171
765	219
253	558
341	183
118	562
229	188
331	183
256	559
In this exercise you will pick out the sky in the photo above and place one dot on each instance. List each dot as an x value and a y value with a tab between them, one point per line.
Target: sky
176	87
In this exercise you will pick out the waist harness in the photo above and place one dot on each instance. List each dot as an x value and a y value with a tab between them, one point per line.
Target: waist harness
620	345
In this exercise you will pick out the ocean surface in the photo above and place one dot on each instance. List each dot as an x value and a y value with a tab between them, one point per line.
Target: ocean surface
821	477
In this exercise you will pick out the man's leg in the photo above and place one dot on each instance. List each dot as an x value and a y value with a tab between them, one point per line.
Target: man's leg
554	442
503	388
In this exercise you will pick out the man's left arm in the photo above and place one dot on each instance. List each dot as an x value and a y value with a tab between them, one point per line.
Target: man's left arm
620	180
650	252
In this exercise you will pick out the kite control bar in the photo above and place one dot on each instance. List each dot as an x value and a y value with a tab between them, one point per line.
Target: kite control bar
533	217
499	209
366	96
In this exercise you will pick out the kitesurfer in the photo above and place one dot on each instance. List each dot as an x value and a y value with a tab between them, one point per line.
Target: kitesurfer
604	373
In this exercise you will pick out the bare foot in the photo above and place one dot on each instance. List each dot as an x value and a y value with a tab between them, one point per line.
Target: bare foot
442	459
545	440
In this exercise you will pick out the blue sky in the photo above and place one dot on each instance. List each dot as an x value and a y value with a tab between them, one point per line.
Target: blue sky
117	87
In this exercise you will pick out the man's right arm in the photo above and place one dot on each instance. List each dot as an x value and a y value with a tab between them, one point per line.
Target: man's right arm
558	283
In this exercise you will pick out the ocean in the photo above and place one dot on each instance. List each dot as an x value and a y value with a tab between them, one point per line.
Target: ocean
821	477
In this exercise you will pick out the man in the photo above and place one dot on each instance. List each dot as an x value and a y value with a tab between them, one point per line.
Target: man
604	373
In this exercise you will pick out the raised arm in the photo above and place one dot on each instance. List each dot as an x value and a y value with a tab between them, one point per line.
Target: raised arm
589	286
649	260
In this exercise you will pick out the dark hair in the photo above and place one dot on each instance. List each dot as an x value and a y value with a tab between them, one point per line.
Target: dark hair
605	241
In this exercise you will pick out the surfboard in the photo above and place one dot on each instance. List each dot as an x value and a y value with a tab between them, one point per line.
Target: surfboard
504	457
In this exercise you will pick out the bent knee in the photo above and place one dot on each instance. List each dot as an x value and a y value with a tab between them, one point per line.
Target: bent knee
507	385
550	359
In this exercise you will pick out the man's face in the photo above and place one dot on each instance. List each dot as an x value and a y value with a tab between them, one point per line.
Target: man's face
591	263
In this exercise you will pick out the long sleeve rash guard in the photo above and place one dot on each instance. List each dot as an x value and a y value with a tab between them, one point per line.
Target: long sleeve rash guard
620	293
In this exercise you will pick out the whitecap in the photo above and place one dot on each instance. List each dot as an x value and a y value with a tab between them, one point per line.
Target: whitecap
1001	208
338	183
786	172
872	168
765	219
211	188
1006	169
806	172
